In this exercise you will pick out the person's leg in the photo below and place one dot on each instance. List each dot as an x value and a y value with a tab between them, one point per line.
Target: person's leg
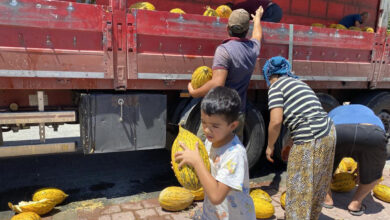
324	151
299	191
362	191
344	148
328	198
370	151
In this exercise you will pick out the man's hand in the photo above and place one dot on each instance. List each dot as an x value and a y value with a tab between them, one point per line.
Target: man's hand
187	156
259	13
270	153
190	88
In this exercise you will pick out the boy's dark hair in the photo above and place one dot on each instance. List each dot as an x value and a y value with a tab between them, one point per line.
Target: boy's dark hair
222	101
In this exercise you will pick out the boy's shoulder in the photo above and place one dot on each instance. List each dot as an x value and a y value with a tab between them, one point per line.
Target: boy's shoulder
235	147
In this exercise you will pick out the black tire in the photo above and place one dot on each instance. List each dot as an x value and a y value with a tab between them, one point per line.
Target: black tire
379	102
179	117
254	131
328	102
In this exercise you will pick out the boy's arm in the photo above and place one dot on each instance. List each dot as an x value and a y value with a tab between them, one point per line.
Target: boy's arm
215	190
257	30
218	79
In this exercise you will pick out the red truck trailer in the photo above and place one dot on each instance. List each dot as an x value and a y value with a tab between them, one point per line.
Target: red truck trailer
122	73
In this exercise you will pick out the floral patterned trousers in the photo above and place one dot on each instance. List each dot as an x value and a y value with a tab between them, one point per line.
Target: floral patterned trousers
309	173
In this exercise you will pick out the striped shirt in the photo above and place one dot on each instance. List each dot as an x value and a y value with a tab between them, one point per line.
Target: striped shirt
302	111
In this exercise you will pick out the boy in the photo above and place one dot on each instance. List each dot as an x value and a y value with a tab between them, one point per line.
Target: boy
227	186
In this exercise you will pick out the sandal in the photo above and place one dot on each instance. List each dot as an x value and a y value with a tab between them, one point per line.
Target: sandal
327	206
358	212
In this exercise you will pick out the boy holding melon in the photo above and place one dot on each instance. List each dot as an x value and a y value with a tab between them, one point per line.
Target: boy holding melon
226	187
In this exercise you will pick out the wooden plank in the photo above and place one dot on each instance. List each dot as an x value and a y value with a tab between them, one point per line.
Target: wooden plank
37	117
37	149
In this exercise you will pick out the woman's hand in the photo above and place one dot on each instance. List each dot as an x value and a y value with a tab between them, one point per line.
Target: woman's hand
187	156
270	153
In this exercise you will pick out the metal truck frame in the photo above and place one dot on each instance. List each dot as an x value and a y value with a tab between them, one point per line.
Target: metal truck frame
60	60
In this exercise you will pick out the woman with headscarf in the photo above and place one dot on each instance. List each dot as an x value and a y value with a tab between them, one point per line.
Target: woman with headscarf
309	169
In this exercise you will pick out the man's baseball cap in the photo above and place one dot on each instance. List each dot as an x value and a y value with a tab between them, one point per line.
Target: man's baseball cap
239	21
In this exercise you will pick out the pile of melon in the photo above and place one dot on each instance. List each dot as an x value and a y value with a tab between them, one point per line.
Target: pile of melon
345	175
43	201
175	198
222	11
342	27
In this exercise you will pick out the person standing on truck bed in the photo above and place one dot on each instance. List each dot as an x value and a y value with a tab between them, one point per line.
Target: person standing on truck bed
309	168
355	19
360	135
272	11
234	61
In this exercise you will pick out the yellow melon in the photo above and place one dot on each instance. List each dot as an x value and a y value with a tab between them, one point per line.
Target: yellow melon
200	76
198	194
283	200
263	209
210	12
26	216
341	27
382	192
40	207
175	198
347	165
57	195
318	25
187	175
369	29
343	182
177	10
354	28
223	11
143	5
261	194
332	25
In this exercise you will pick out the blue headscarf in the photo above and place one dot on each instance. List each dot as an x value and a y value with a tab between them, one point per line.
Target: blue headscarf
277	65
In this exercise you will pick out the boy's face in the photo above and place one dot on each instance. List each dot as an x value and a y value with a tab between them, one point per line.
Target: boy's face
216	129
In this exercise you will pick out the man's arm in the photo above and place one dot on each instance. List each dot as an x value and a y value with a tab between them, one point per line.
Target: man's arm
357	23
218	79
257	30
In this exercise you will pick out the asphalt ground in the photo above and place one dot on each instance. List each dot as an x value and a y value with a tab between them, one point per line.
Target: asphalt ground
85	177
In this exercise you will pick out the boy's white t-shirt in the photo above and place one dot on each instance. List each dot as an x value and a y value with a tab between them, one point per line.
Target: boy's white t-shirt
229	165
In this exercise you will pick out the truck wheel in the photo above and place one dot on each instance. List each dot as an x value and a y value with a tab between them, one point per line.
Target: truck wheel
379	102
254	131
179	117
328	102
